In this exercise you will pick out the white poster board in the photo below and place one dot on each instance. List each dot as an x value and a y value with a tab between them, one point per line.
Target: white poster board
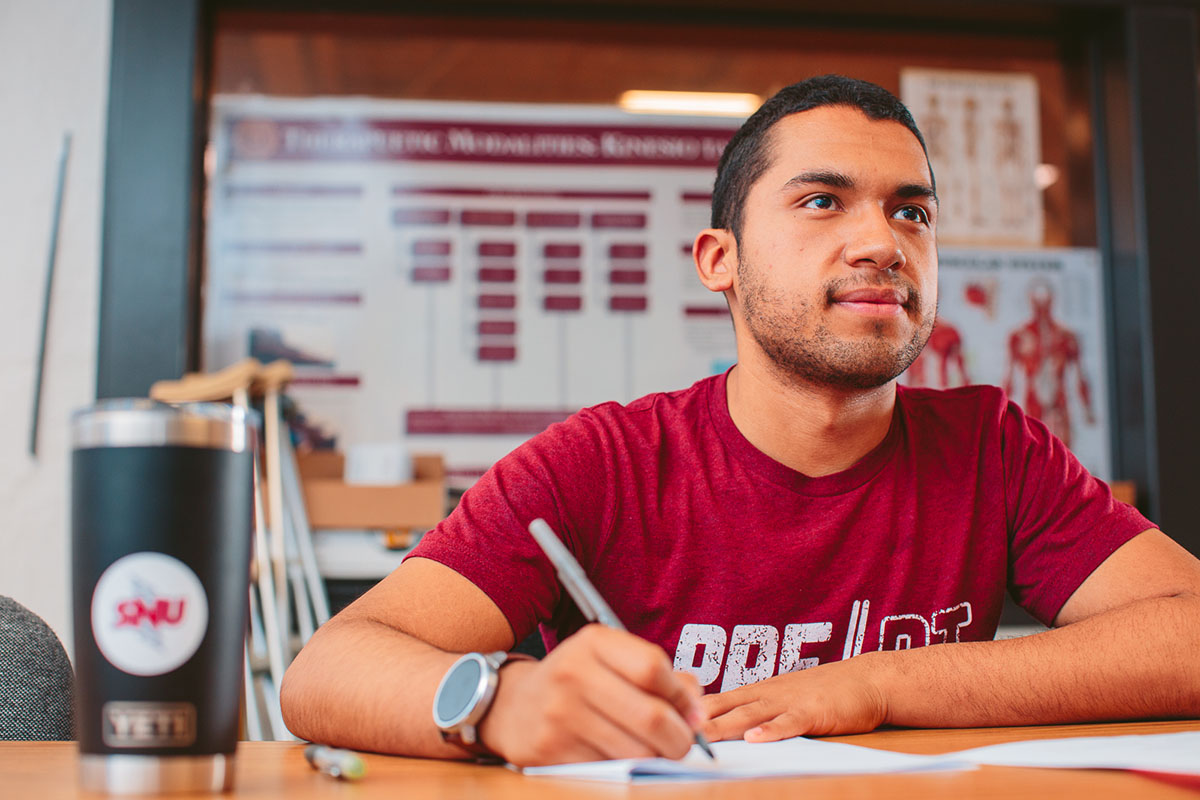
458	276
982	131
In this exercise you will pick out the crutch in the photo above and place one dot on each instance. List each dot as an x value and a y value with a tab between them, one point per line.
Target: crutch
309	600
270	381
298	515
265	631
263	634
233	382
254	729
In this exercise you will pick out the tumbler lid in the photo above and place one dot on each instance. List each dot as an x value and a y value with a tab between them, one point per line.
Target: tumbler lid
140	422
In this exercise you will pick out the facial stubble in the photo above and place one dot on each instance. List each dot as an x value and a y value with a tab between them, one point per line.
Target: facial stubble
824	358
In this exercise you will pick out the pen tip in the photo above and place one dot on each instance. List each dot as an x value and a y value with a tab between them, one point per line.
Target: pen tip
705	746
355	769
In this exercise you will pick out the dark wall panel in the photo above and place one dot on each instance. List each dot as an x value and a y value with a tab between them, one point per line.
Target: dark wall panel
1163	91
147	259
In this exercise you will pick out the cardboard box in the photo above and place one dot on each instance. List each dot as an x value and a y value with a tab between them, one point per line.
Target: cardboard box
332	503
1124	491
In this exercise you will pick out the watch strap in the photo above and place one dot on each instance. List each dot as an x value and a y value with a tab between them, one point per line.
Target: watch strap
476	748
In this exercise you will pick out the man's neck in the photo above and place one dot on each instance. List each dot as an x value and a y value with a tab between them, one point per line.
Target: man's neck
814	430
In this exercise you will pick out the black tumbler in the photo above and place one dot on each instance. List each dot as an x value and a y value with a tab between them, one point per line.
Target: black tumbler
162	509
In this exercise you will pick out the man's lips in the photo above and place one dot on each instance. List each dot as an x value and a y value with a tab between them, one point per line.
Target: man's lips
870	295
878	301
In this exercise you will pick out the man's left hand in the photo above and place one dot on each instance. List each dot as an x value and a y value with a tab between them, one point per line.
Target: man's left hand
827	700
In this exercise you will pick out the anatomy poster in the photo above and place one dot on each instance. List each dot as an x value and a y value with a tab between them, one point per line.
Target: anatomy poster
982	131
1032	322
455	277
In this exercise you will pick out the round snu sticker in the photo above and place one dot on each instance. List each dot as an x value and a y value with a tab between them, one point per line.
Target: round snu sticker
149	613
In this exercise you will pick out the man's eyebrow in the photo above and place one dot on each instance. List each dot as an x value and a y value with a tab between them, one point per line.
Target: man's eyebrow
909	191
826	177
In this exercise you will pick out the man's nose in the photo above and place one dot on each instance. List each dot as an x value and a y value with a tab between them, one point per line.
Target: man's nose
871	241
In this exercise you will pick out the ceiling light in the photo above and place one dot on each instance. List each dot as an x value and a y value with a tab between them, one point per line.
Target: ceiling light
722	104
1046	175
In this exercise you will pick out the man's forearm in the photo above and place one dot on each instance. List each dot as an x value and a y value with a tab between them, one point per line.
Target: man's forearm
363	685
603	693
1132	662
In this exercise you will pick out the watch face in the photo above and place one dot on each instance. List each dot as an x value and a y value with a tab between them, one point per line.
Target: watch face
459	692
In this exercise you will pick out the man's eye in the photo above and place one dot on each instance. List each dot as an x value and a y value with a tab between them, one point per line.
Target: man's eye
912	214
822	202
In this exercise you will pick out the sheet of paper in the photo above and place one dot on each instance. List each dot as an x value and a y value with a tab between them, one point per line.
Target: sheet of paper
1176	753
1160	752
738	759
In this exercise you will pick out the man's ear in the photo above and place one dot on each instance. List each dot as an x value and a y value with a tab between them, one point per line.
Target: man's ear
715	254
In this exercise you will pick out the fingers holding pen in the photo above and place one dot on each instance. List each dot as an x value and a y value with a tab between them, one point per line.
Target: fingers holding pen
602	693
635	688
653	703
652	722
647	667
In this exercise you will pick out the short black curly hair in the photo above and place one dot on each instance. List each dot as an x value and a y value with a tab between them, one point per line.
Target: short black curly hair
747	156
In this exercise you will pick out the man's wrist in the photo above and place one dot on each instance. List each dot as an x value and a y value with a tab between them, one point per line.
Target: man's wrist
489	730
879	674
465	697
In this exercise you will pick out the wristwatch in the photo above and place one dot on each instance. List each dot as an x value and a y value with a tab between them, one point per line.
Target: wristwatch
464	697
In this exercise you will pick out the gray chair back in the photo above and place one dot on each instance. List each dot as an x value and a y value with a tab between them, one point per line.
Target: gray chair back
36	681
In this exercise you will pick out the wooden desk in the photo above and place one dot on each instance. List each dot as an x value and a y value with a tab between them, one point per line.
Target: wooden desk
47	771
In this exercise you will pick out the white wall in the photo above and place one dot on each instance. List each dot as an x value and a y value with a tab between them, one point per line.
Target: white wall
54	66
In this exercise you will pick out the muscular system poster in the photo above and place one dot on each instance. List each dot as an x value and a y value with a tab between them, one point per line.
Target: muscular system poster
1031	321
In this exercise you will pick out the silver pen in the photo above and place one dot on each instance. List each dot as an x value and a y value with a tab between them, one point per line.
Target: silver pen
582	591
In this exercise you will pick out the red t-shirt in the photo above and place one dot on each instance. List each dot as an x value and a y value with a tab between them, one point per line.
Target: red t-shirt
741	568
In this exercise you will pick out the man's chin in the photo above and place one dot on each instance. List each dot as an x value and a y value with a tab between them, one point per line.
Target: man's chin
845	356
863	368
841	375
894	329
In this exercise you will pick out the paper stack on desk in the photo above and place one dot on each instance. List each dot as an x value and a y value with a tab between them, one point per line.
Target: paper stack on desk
738	759
1174	753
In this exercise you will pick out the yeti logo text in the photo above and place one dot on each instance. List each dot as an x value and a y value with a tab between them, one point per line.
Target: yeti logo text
130	724
159	611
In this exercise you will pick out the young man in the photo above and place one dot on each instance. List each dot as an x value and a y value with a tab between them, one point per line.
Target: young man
788	536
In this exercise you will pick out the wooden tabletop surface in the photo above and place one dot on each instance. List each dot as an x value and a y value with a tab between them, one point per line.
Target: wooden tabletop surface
48	771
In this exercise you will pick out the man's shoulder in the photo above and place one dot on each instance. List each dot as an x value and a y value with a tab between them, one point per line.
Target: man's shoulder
961	397
645	423
612	431
655	408
969	405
